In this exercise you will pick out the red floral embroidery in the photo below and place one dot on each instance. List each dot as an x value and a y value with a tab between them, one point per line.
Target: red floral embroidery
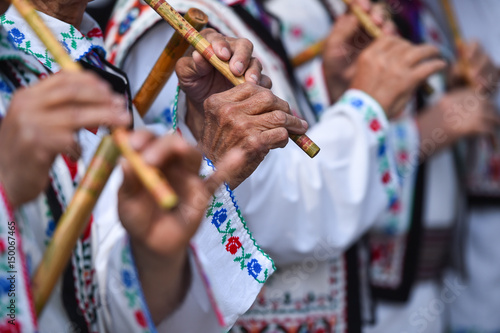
309	82
96	32
2	246
396	206
297	32
403	156
386	178
233	245
375	125
140	318
9	328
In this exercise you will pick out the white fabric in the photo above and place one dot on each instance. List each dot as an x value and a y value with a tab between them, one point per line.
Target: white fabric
476	310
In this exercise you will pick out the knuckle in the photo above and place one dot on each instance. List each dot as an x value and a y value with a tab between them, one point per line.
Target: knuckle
279	118
267	97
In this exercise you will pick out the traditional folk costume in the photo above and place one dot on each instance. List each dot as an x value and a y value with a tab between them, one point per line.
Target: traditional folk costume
475	309
411	244
100	291
305	212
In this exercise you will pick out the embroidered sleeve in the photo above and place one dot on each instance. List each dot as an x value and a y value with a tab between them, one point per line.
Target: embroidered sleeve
377	125
236	267
7	212
314	83
124	301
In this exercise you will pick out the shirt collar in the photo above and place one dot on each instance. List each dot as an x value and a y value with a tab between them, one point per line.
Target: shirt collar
78	43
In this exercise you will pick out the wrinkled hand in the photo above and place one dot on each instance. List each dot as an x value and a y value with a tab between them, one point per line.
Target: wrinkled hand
457	115
344	44
251	118
159	238
391	69
199	79
480	68
41	123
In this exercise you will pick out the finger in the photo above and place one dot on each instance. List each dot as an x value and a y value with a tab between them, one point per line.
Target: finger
237	94
389	28
242	50
84	88
473	51
275	138
77	116
254	71
229	167
277	119
365	4
167	149
348	25
378	14
427	68
264	101
219	42
420	53
265	81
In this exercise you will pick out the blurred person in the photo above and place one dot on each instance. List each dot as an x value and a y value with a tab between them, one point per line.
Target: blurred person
319	206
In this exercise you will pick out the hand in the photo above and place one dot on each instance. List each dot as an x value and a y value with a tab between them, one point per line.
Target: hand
251	118
41	123
480	68
160	238
199	79
457	115
391	69
343	46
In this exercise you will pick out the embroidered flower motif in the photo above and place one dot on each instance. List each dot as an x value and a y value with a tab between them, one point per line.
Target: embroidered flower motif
51	227
96	32
375	125
233	245
219	218
382	149
386	178
357	103
296	32
17	36
2	246
254	268
140	318
127	23
4	87
396	206
127	279
7	327
309	82
4	285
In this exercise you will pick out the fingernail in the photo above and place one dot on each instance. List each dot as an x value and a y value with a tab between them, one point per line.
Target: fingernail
225	53
254	78
239	67
304	124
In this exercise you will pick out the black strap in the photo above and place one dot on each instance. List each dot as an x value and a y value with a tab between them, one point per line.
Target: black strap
68	281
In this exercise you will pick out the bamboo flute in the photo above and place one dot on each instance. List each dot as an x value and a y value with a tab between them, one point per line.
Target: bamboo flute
308	54
462	60
165	64
204	48
77	214
459	43
375	32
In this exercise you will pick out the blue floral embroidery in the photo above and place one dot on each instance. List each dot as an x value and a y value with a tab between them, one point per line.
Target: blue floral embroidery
4	87
17	36
127	23
51	226
4	285
254	268
357	103
127	278
220	217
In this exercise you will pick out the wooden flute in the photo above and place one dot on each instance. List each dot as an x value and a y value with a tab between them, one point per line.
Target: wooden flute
165	65
170	15
78	212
